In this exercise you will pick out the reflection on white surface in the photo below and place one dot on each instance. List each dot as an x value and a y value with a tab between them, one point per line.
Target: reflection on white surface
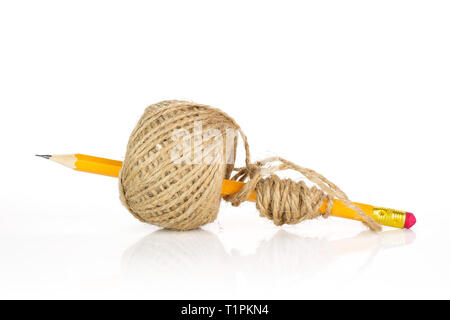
197	260
240	256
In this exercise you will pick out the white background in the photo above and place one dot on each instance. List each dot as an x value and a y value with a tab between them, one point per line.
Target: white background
357	90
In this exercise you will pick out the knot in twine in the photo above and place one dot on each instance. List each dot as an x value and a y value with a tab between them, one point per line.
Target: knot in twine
285	201
184	195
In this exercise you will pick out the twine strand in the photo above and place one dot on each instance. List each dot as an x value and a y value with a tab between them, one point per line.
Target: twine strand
285	201
184	196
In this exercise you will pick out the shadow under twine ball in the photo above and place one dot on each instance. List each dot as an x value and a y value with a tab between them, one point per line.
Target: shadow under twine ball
178	156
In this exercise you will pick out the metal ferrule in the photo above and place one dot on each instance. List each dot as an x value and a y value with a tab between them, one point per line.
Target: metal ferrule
390	217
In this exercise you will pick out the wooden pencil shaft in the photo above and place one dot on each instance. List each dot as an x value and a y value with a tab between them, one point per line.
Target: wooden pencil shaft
108	167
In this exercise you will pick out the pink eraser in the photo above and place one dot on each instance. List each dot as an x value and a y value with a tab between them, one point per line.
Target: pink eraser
410	220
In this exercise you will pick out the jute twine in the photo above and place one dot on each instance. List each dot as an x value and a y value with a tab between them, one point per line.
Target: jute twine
184	196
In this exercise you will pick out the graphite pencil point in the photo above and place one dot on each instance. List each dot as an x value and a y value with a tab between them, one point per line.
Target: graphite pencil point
46	156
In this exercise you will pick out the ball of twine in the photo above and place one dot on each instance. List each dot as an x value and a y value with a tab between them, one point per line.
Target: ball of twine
175	193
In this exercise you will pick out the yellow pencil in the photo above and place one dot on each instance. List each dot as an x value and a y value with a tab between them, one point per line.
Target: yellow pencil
107	167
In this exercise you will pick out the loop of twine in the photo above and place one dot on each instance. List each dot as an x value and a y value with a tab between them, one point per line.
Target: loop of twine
288	202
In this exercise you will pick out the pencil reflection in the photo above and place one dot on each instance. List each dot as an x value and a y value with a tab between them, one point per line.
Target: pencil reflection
198	258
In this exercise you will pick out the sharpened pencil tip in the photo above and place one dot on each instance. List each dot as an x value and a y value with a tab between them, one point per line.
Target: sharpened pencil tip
46	156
